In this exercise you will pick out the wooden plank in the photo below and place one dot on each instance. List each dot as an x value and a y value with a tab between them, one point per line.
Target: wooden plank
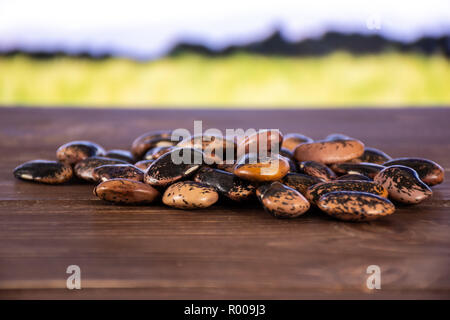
227	251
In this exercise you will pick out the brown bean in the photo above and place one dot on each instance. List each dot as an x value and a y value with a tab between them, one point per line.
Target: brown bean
85	168
403	184
317	169
150	140
126	191
254	168
328	152
225	183
75	151
314	192
164	171
116	171
429	171
190	195
355	205
300	182
44	171
364	168
283	202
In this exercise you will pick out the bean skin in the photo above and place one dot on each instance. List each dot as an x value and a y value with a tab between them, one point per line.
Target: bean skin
164	171
44	171
190	195
316	191
85	168
364	168
254	168
403	184
329	152
429	171
115	171
355	205
283	202
300	182
317	169
225	183
126	191
76	151
150	140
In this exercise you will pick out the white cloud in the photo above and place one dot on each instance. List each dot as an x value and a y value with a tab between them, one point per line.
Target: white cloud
146	28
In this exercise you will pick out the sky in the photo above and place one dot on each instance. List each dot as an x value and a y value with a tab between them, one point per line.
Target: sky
148	29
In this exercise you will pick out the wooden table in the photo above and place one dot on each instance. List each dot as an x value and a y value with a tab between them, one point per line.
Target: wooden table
223	252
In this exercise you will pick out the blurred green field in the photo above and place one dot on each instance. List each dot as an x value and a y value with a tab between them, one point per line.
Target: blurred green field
240	80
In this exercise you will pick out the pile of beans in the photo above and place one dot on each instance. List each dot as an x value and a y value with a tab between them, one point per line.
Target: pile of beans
338	174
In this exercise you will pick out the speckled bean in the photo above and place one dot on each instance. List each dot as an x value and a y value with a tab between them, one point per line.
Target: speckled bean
403	184
355	205
44	171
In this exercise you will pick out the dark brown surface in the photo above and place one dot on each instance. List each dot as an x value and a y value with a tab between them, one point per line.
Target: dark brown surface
221	252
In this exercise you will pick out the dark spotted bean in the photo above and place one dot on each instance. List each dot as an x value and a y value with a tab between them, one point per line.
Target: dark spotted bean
126	191
429	171
300	182
254	168
372	155
317	169
283	202
75	151
156	152
124	155
150	140
190	195
85	168
292	140
354	176
355	205
328	152
225	183
314	192
403	184
44	171
364	168
164	171
116	171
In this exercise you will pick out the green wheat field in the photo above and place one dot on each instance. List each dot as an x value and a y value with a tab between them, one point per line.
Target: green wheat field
240	80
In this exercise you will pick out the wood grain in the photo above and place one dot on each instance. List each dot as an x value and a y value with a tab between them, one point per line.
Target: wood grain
226	251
